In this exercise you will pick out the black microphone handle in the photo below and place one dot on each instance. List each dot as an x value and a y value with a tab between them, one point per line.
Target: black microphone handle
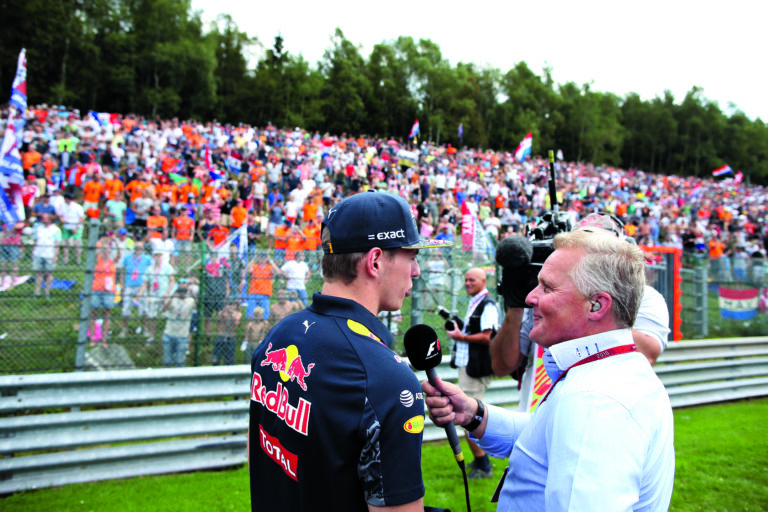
450	429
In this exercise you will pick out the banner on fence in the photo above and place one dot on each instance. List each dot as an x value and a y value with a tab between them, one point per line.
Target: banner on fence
738	304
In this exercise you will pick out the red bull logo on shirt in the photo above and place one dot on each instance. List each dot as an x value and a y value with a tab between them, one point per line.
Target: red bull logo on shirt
277	402
288	362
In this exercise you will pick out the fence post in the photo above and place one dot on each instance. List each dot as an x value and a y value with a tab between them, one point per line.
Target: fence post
200	306
701	297
417	295
85	302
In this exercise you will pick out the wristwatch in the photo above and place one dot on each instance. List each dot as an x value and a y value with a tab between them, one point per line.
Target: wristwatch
477	419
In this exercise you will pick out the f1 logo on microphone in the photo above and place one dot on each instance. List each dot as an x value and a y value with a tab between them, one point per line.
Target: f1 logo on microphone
434	349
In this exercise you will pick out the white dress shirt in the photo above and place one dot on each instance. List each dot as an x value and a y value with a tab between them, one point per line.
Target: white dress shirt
603	439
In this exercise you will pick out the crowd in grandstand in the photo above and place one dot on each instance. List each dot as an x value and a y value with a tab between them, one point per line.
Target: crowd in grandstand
169	184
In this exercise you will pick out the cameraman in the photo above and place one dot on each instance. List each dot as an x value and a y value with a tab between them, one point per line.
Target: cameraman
512	346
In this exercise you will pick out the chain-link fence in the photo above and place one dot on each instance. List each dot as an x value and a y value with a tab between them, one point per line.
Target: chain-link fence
101	299
98	300
725	297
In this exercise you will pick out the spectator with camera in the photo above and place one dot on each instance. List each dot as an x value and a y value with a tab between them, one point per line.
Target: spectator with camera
472	355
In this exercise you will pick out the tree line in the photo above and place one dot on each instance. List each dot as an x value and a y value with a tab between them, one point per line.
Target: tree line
155	58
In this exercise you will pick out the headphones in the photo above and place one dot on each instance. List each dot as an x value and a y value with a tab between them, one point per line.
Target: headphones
595	307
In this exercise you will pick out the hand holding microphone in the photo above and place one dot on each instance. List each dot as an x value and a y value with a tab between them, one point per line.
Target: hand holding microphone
423	349
443	398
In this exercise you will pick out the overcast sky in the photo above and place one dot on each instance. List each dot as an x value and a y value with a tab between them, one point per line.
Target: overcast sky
618	46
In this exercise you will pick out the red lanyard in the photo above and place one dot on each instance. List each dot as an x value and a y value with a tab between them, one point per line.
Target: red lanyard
614	351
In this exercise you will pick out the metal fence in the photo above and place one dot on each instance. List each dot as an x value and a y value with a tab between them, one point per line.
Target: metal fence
58	429
54	319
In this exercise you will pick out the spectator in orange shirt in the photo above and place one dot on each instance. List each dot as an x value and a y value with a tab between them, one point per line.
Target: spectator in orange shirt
113	186
217	235
206	191
30	158
261	274
311	235
239	214
280	239
294	243
157	224
189	188
103	291
135	189
183	229
92	192
309	210
716	250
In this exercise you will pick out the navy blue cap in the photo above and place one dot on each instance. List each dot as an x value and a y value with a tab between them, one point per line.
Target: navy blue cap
372	219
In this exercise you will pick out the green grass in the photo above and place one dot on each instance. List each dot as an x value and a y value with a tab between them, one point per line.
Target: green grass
722	465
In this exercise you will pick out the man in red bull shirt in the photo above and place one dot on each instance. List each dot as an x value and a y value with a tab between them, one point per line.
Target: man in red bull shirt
336	417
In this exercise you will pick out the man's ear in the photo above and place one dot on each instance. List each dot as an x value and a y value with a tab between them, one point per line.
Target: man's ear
372	261
600	305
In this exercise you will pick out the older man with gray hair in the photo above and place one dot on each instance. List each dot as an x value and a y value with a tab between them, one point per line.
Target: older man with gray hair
602	439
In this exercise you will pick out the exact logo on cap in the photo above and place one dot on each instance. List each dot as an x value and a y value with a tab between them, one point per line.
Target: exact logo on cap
372	219
388	235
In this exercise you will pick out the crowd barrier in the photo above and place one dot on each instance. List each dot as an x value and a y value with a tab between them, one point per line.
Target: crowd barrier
58	429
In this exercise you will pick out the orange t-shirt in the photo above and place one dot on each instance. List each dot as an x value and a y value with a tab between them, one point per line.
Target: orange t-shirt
281	235
184	225
310	211
113	187
239	214
29	159
186	189
134	188
294	244
312	235
218	234
716	248
261	279
155	225
92	191
163	189
48	165
207	191
223	193
104	275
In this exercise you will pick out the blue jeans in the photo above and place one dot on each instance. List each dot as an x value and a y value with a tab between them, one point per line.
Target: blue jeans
257	300
224	350
302	293
174	350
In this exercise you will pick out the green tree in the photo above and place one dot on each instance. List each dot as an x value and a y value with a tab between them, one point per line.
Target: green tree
346	90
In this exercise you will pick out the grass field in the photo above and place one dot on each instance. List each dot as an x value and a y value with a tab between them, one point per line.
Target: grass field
722	465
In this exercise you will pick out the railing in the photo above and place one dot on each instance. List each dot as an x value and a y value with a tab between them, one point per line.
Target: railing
58	429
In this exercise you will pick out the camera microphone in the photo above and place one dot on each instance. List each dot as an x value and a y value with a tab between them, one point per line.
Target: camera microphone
423	349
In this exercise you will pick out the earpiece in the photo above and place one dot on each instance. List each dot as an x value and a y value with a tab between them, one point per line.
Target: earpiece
595	307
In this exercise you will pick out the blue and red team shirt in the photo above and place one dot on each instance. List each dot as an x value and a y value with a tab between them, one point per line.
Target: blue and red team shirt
336	417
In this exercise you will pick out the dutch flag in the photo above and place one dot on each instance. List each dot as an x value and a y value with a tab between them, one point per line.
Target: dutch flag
722	170
414	130
524	148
